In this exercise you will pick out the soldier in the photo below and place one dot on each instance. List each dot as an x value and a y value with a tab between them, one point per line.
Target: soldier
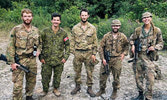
84	48
116	44
150	41
55	52
23	39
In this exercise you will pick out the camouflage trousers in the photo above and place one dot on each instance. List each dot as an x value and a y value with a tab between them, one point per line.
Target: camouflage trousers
47	73
144	68
115	66
83	57
18	76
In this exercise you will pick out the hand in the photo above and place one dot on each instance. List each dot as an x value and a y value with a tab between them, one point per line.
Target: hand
104	62
63	60
14	66
133	49
42	61
93	58
37	54
122	56
151	48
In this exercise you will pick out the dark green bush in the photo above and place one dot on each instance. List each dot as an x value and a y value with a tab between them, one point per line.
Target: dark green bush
70	17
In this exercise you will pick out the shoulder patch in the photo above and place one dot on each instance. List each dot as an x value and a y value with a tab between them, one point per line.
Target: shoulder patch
65	39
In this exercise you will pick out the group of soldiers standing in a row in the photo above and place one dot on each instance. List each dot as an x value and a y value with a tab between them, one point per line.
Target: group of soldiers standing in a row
54	48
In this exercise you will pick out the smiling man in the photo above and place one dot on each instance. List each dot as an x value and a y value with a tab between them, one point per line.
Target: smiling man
84	48
55	52
115	44
23	38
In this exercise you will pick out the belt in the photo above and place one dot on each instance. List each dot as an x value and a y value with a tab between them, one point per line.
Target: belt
114	56
26	56
82	50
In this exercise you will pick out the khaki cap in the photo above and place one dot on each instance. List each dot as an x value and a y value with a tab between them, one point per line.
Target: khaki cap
116	22
146	14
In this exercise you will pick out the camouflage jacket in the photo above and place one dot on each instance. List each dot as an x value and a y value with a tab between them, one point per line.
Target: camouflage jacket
153	38
84	40
116	47
22	42
55	47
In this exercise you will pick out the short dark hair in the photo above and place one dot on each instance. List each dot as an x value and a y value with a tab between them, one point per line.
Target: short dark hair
55	15
85	10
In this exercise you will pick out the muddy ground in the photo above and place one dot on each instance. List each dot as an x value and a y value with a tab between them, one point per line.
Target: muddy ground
128	90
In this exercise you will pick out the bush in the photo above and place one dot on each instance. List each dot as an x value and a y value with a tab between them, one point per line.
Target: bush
70	17
162	24
41	18
14	15
6	26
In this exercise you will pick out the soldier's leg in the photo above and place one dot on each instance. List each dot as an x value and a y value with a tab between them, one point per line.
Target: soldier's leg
149	80
46	76
17	78
139	76
158	75
58	69
31	78
116	71
77	64
102	80
89	70
89	65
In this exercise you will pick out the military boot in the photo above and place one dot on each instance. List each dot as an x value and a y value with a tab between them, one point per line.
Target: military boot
56	92
114	94
43	93
140	96
29	98
90	91
76	89
100	92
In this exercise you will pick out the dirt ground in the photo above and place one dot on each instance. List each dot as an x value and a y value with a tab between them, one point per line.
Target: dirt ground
128	90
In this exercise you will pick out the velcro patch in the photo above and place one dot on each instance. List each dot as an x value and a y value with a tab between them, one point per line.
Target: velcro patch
65	39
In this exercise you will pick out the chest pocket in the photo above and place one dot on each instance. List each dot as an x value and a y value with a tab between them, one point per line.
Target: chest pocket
89	37
109	44
32	40
21	39
119	45
79	37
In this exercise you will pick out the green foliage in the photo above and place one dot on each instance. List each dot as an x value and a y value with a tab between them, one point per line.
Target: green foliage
128	26
6	26
3	13
103	28
14	14
5	3
162	24
101	12
70	17
41	18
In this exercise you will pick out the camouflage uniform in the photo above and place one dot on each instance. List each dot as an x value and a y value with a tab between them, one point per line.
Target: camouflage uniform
144	68
83	46
55	47
116	47
22	43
